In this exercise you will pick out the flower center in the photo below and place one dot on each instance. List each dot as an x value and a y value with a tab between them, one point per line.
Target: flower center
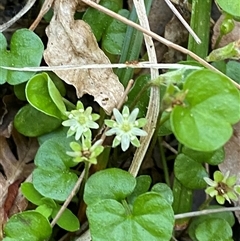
222	188
126	127
82	119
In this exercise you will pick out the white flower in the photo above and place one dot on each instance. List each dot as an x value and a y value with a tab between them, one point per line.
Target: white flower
85	151
223	187
126	128
81	121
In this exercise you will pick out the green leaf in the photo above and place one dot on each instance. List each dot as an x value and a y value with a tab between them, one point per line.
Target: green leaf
189	172
232	70
28	225
227	216
164	190
231	7
99	21
213	229
45	210
26	50
142	186
142	103
67	221
42	94
30	193
31	122
212	158
19	91
211	107
112	183
52	177
152	219
113	39
165	128
60	132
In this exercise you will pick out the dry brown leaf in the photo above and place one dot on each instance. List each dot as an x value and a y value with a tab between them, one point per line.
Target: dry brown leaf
232	159
71	42
14	170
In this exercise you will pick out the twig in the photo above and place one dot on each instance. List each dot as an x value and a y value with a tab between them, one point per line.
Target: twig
45	8
205	212
146	65
154	100
8	24
157	37
68	200
182	20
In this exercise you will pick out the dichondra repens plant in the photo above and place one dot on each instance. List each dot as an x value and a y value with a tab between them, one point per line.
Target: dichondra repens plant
81	147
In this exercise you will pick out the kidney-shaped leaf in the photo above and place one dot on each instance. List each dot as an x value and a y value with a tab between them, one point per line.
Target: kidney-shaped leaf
26	49
214	229
111	183
67	221
52	178
231	6
152	219
31	122
44	95
211	107
29	225
189	172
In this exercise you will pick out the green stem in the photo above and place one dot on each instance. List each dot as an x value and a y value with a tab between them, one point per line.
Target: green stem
69	105
145	87
127	208
155	137
206	203
131	46
200	23
164	162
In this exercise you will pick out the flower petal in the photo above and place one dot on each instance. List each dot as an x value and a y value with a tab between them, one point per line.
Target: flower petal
211	191
141	122
218	176
80	105
135	141
125	112
237	189
112	131
110	123
138	132
92	125
232	195
118	116
210	182
231	180
133	115
116	141
125	142
220	199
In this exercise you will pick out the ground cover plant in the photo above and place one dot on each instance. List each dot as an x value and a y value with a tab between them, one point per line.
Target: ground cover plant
103	138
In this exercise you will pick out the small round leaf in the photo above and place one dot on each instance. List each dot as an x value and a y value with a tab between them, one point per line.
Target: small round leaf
211	107
28	225
213	229
112	183
189	172
52	178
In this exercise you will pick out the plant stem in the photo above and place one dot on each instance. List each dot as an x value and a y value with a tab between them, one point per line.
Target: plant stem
138	97
69	105
164	162
127	208
206	203
200	23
